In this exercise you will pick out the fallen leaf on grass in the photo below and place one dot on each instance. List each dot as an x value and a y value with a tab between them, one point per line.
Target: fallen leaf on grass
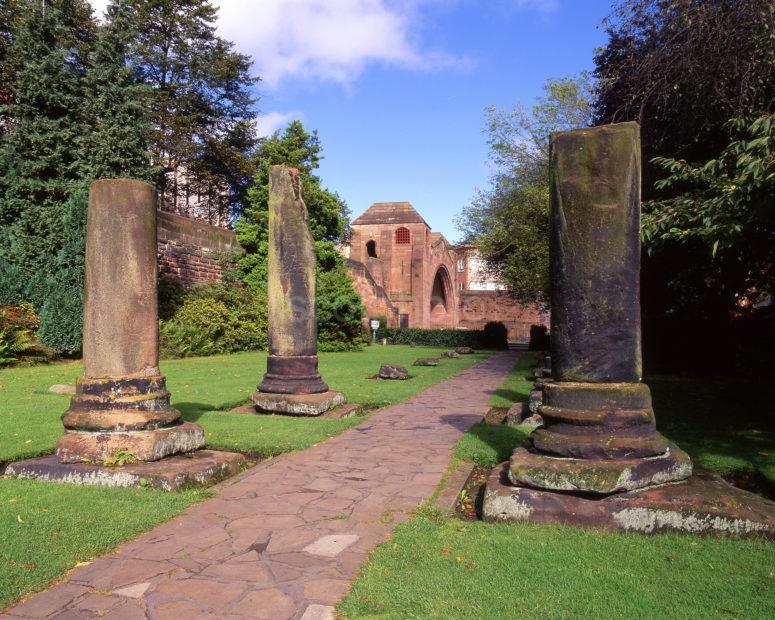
19	519
446	551
13	500
33	565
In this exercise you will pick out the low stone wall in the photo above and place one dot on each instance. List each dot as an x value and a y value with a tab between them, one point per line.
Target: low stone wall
373	296
192	251
479	307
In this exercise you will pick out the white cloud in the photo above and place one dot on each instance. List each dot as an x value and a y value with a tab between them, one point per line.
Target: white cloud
327	40
268	122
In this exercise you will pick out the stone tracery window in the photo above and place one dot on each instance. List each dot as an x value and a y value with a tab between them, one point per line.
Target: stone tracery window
402	236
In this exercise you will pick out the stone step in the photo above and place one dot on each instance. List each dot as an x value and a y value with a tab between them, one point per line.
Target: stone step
622	418
599	446
597	476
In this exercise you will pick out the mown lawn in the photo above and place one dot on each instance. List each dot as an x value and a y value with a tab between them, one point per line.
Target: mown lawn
47	528
205	388
440	567
436	566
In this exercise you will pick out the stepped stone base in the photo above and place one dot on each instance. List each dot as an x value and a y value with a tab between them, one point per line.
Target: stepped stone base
148	445
598	476
196	468
298	404
703	504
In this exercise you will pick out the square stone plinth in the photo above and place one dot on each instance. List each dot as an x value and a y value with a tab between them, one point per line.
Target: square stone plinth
169	474
298	404
150	445
703	504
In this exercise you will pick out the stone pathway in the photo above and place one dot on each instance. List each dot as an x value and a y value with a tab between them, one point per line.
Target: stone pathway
284	539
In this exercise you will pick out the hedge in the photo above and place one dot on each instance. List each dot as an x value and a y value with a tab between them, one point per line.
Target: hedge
492	337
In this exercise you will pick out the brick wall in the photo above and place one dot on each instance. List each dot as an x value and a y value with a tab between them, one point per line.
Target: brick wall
373	296
479	307
191	251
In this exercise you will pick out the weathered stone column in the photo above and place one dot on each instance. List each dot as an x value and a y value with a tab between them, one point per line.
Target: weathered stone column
600	434
599	460
292	366
121	403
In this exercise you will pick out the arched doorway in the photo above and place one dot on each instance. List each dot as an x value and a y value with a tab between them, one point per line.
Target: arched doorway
371	249
441	299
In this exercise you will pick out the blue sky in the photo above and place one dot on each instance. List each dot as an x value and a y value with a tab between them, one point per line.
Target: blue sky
397	88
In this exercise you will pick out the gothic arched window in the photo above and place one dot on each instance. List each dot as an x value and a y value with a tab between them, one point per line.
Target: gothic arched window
371	249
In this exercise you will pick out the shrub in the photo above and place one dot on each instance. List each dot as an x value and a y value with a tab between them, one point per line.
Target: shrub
212	319
433	337
495	336
15	341
339	311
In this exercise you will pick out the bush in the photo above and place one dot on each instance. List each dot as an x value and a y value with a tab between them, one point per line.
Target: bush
449	338
61	315
339	311
495	336
15	340
212	319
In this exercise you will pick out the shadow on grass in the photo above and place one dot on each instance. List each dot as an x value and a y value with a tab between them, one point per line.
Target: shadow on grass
724	425
511	395
193	411
490	444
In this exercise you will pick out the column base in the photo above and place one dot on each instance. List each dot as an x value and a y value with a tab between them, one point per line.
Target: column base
296	374
169	474
298	404
703	504
147	445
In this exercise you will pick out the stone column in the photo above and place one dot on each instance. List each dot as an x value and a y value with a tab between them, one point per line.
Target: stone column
600	435
292	367
121	403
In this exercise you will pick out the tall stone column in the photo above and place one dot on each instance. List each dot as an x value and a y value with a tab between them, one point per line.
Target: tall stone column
292	383
600	434
121	403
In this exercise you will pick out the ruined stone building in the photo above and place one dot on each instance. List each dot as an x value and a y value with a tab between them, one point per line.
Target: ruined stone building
415	277
400	267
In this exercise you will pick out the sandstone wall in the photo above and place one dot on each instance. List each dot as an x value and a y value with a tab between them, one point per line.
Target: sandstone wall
479	307
373	296
191	251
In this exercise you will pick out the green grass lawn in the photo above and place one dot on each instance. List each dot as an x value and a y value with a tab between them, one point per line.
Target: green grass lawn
441	567
436	566
205	388
47	528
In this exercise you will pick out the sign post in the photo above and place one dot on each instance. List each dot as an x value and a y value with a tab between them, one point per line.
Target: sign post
374	328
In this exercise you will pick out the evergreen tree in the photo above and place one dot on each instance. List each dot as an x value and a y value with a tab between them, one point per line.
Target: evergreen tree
202	108
339	307
41	156
115	145
9	17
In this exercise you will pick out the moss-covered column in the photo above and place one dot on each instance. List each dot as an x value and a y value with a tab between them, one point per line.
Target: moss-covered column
292	367
600	435
121	403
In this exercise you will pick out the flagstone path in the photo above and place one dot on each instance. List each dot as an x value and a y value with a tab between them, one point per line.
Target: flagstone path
284	539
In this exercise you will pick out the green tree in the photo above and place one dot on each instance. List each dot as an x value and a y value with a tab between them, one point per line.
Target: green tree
339	307
682	69
725	205
509	221
41	156
201	107
114	145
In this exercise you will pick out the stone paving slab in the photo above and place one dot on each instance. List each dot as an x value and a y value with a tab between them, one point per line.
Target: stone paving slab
284	540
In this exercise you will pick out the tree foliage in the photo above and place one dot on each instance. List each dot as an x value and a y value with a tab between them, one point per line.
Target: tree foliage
339	307
41	155
726	204
201	106
683	69
509	221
